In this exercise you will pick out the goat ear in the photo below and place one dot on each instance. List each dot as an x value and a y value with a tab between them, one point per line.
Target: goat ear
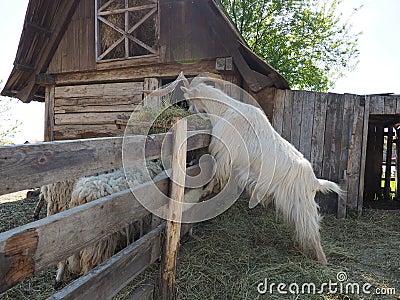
184	89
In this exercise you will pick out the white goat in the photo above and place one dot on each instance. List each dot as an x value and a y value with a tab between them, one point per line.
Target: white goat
265	164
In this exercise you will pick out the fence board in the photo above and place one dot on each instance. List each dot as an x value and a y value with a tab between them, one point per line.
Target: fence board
318	136
56	238
390	105
279	105
354	160
296	119
363	157
329	162
110	277
377	105
349	101
307	124
287	115
45	163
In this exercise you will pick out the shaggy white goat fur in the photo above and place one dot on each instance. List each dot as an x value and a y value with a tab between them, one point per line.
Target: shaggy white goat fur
275	171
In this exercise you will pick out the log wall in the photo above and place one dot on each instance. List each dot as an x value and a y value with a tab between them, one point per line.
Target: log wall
83	111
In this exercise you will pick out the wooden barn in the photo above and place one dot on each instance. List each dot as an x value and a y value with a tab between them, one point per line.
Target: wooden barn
91	60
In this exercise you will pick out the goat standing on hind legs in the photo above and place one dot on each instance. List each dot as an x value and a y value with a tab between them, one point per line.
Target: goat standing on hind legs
265	164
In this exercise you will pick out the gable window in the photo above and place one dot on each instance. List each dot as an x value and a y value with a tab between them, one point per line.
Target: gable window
125	28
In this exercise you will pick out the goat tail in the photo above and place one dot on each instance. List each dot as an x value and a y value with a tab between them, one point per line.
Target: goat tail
326	186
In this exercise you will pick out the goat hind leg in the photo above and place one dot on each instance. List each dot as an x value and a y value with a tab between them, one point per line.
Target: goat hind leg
60	274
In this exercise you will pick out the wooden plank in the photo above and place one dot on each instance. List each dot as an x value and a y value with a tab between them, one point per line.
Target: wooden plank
67	10
377	105
173	226
46	163
363	156
349	101
279	105
90	118
85	101
397	164
49	114
287	115
389	150
307	124
297	115
330	161
111	74
55	238
73	132
397	105
144	292
390	105
106	280
114	90
354	160
318	136
94	108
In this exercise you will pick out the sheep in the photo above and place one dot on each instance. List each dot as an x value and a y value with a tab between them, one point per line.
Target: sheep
87	189
267	166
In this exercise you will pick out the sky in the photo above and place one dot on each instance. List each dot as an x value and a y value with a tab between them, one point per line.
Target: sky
377	72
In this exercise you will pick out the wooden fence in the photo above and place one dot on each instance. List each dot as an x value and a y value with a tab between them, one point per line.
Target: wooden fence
331	131
27	250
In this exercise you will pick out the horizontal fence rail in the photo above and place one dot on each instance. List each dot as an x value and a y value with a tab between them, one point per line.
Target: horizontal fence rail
45	163
106	280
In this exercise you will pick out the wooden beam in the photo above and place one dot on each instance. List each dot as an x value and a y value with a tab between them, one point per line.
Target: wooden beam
29	249
24	68
106	72
45	79
41	65
45	163
389	148
173	227
363	156
129	9
49	114
36	28
110	277
398	163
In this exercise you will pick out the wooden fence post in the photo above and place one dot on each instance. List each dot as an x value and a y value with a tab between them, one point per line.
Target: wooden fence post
173	228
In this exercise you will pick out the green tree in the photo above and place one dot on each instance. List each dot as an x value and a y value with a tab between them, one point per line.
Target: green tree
8	127
305	40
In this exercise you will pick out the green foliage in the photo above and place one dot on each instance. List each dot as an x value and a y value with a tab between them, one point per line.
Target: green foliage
305	40
8	128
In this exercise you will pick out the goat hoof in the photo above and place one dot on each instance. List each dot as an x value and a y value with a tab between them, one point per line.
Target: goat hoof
57	285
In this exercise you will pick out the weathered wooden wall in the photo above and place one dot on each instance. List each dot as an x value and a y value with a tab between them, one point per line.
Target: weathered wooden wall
331	130
76	51
83	111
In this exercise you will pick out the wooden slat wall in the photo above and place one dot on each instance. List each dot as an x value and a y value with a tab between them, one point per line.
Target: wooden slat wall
76	51
321	126
86	111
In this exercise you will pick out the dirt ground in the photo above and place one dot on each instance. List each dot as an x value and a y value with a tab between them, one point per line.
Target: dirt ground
230	256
